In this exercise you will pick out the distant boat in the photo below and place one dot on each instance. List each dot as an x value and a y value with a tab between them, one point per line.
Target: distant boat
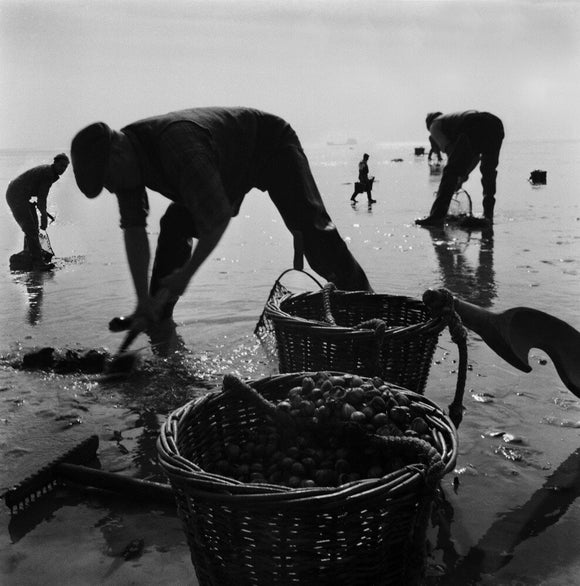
349	141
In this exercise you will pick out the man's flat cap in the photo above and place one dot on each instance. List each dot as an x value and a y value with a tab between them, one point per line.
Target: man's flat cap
90	150
431	117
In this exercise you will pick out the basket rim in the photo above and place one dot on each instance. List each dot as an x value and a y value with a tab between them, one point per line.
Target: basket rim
210	486
273	311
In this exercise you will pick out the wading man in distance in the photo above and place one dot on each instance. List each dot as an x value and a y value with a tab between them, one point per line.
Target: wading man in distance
205	160
20	195
468	138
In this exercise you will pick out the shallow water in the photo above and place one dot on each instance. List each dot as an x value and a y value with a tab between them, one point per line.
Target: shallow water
515	516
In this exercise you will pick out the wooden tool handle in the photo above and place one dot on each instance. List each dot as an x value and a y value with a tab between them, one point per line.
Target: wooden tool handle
130	487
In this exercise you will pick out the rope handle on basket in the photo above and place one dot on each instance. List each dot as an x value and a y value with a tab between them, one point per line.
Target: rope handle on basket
424	450
233	385
378	325
326	291
372	324
443	305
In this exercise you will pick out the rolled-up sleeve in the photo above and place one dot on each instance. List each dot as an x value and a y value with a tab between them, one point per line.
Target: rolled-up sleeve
133	207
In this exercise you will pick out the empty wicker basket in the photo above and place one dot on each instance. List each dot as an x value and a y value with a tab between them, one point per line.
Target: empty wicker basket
370	334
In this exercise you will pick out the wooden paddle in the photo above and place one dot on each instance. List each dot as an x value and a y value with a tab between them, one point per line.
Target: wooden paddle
511	334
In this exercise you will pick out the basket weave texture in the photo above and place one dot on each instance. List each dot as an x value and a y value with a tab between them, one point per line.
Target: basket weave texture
364	333
366	532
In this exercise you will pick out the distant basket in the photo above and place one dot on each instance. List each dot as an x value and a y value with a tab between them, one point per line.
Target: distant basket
369	531
365	333
538	177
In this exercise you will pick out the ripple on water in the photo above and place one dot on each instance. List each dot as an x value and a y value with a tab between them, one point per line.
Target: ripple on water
558	422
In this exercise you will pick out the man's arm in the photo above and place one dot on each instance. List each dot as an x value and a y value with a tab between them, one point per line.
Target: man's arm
138	256
203	193
41	197
177	282
134	209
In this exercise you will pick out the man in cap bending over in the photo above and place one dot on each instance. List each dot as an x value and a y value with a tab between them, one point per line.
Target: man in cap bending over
467	138
205	160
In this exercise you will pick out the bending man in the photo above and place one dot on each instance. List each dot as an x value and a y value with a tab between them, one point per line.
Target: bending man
205	160
467	138
34	183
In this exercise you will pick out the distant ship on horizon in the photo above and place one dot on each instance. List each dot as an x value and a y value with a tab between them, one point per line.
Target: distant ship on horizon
348	141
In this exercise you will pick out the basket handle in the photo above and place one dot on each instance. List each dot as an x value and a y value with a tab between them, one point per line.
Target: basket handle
327	309
443	306
233	385
275	290
380	327
417	447
277	282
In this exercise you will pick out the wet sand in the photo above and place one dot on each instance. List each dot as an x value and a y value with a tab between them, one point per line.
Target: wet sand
515	518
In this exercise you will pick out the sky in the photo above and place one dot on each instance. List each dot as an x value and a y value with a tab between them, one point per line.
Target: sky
369	69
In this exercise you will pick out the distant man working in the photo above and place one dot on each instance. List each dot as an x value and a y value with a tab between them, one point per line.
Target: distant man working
467	138
34	184
364	183
205	160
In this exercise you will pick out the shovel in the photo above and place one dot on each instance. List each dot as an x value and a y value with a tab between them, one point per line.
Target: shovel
511	334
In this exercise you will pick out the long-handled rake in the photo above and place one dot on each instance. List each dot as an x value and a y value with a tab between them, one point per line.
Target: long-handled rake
71	468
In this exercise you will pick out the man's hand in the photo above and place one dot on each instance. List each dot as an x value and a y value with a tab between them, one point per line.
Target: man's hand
145	315
149	310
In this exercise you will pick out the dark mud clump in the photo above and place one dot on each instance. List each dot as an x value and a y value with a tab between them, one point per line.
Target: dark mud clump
64	361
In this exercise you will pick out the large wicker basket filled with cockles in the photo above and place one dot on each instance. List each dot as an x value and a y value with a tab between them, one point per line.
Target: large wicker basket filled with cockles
307	479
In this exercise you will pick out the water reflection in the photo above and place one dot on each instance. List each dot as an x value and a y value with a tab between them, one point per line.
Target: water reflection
34	281
470	276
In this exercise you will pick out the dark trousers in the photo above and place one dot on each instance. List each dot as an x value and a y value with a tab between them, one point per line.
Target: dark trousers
291	186
293	190
479	142
25	215
363	186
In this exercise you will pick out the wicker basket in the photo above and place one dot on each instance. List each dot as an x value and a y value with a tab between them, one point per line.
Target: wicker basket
366	532
369	334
